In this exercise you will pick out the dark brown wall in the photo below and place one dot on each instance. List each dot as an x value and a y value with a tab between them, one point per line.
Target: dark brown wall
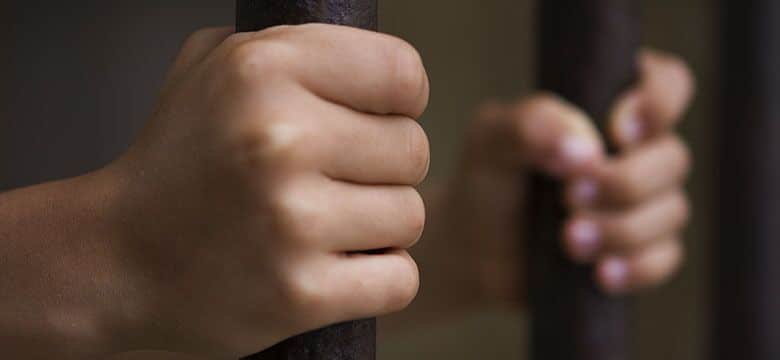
674	321
82	77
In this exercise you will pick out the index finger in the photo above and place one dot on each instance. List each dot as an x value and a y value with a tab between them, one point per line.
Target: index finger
663	95
363	70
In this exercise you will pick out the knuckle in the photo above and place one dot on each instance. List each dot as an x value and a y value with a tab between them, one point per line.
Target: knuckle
415	217
249	60
198	37
666	267
303	292
679	67
314	28
624	233
530	118
295	217
408	74
536	106
283	141
406	286
625	184
418	151
235	39
276	31
272	144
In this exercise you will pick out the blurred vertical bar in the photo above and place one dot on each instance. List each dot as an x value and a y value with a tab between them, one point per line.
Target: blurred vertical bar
5	38
747	281
353	340
587	54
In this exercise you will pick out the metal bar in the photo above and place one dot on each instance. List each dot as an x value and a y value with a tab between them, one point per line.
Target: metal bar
747	271
587	54
353	340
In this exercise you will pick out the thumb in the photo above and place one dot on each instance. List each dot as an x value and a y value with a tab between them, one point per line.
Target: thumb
196	48
658	103
542	131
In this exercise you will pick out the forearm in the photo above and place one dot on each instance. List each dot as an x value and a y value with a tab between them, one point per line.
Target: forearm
59	288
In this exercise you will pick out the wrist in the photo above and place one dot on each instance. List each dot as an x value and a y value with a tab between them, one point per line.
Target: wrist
63	287
145	311
112	281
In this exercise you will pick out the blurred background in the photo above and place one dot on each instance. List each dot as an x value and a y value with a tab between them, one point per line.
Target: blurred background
79	78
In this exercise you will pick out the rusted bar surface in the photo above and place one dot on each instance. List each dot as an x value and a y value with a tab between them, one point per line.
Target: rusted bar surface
353	340
349	341
747	266
253	15
587	54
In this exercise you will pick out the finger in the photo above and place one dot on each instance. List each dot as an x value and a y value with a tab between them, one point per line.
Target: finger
664	93
667	88
652	266
661	164
542	131
345	218
197	46
361	69
372	149
365	286
588	235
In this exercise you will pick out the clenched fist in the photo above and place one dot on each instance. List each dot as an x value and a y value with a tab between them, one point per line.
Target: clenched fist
272	192
627	210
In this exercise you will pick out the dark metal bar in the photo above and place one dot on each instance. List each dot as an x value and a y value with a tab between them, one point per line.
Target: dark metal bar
587	54
253	15
349	341
747	272
353	340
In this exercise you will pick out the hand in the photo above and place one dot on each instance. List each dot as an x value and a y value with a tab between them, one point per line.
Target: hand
272	192
627	210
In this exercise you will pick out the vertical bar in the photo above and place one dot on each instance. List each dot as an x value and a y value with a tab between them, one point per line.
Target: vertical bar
587	54
353	340
747	281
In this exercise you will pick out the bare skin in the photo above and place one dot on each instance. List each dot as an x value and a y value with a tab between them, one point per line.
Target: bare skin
240	216
274	161
627	210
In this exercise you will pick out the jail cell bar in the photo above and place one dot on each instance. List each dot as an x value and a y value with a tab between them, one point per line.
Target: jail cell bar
353	340
587	54
747	273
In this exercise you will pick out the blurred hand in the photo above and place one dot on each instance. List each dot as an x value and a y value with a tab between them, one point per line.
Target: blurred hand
272	192
627	210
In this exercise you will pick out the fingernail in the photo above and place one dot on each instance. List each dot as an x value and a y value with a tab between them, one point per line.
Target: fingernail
631	129
584	239
584	191
576	150
614	273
